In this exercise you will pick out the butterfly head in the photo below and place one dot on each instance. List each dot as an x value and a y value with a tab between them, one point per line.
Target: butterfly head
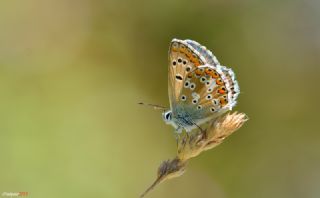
169	119
167	116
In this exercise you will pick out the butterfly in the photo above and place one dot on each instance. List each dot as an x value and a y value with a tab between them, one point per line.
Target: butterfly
200	89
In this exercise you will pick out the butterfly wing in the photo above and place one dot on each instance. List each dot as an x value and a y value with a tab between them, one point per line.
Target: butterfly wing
208	91
203	51
232	85
198	82
183	58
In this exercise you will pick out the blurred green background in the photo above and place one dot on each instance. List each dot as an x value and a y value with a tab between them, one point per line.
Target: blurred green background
72	73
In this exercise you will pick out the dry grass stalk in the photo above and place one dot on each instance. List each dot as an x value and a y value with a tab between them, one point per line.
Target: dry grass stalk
192	144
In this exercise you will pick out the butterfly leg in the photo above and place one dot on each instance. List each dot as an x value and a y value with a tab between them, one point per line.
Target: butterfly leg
179	130
204	134
201	130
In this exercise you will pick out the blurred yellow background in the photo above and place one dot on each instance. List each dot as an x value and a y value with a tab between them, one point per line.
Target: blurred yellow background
72	73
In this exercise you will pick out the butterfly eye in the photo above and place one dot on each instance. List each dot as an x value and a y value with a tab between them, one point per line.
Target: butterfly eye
168	116
183	98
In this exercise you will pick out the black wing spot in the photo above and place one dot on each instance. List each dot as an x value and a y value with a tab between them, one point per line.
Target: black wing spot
178	77
203	79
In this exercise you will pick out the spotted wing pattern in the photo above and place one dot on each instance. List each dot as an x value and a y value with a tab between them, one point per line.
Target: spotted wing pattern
183	59
206	89
197	79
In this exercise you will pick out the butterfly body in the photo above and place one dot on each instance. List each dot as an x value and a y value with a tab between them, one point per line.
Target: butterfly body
183	117
200	89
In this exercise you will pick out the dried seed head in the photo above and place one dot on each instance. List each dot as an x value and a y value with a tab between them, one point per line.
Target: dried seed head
167	170
190	145
223	127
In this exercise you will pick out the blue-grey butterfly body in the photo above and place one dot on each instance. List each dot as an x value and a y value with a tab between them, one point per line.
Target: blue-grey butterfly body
200	89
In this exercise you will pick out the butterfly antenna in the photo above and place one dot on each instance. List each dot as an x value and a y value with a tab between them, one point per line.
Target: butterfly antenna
156	107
